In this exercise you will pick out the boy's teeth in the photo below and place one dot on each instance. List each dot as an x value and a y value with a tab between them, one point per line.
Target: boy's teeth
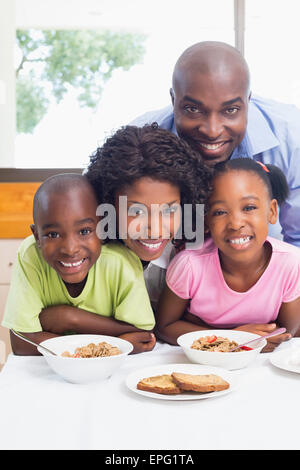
70	265
211	146
239	241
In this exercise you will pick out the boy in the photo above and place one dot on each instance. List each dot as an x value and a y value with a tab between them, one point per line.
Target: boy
62	284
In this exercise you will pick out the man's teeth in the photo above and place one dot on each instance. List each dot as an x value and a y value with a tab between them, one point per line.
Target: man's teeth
70	265
211	146
152	246
240	241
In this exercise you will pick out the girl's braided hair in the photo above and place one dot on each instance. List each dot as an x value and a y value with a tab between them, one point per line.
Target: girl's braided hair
149	151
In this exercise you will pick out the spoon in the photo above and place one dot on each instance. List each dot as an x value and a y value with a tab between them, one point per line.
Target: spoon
32	342
279	331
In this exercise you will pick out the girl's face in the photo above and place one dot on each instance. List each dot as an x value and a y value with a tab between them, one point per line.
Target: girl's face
239	212
150	216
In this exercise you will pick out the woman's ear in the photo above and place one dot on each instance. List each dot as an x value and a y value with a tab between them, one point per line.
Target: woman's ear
273	212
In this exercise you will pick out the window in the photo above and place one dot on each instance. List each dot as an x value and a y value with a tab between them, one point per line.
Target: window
67	134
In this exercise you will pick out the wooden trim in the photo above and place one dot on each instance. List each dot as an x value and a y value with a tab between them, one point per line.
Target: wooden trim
18	175
16	203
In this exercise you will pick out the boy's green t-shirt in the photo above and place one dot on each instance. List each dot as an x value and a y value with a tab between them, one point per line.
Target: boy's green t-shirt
115	287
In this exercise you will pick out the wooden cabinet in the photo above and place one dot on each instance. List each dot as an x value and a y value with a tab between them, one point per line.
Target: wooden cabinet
8	253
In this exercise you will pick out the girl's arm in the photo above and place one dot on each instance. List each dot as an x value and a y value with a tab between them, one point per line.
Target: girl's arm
289	316
169	323
60	319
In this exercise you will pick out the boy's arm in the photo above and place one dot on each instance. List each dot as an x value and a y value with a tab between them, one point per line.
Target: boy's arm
22	348
62	318
169	322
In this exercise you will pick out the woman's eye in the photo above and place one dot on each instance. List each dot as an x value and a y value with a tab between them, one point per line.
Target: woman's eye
170	210
136	211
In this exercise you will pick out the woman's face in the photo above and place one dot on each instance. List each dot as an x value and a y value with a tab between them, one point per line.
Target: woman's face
148	216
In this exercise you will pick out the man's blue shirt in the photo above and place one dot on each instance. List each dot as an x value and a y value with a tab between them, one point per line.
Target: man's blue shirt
272	136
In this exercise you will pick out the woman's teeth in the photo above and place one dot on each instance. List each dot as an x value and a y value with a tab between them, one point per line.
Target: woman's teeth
151	246
70	265
240	241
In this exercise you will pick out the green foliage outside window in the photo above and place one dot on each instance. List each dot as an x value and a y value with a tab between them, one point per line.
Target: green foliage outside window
52	61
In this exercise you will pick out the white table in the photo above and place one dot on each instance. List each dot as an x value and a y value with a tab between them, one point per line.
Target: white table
41	411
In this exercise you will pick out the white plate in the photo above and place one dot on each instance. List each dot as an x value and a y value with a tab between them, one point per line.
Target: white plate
282	359
135	377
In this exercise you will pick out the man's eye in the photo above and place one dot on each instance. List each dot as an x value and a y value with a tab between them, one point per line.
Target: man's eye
231	111
192	109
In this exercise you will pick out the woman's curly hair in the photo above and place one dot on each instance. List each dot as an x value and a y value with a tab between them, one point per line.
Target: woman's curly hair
149	151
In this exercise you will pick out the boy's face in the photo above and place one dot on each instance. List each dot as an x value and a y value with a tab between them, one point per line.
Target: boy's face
210	113
239	211
66	232
146	233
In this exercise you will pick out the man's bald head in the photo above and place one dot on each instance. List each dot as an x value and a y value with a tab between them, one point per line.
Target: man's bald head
213	59
210	97
58	185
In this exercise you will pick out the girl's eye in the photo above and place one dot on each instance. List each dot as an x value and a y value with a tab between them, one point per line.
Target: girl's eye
85	231
52	235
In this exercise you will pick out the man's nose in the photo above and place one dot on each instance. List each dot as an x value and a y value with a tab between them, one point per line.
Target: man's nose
211	127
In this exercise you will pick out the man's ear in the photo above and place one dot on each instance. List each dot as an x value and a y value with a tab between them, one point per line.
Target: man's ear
273	213
250	94
172	95
35	234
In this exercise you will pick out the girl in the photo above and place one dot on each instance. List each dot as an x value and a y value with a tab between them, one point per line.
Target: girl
241	278
149	168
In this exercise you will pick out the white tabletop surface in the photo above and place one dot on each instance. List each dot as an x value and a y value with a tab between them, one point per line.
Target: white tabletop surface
39	410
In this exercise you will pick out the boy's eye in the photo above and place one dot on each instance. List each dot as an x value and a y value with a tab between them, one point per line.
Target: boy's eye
85	231
52	235
250	208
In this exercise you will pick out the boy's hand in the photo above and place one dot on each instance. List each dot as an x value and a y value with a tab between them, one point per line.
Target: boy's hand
142	341
56	319
264	329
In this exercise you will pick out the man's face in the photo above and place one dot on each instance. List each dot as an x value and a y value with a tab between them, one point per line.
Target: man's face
210	113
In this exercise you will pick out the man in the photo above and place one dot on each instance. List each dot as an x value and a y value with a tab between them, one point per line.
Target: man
214	111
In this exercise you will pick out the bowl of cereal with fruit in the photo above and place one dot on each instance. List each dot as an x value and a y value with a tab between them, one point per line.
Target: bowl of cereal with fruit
214	347
85	358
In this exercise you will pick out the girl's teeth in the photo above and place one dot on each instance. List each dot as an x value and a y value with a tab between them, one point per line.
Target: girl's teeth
211	146
152	246
70	265
240	241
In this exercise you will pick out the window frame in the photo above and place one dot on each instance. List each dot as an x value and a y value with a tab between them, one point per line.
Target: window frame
12	174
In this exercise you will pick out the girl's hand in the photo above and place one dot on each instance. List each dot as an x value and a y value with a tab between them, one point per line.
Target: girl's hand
142	341
264	329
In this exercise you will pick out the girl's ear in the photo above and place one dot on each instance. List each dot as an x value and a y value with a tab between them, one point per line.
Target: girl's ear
35	233
206	228
273	212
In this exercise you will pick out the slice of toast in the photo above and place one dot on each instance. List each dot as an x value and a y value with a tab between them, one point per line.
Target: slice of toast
200	383
159	384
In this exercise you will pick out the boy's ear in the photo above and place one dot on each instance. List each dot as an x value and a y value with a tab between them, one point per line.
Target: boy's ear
273	213
35	233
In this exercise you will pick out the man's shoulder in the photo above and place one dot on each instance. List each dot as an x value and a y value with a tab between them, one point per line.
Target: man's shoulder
276	110
163	117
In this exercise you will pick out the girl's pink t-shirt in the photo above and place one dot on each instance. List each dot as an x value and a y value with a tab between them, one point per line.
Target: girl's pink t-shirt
197	275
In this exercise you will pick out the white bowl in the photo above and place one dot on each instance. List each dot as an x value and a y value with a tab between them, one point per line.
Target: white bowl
84	370
227	360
